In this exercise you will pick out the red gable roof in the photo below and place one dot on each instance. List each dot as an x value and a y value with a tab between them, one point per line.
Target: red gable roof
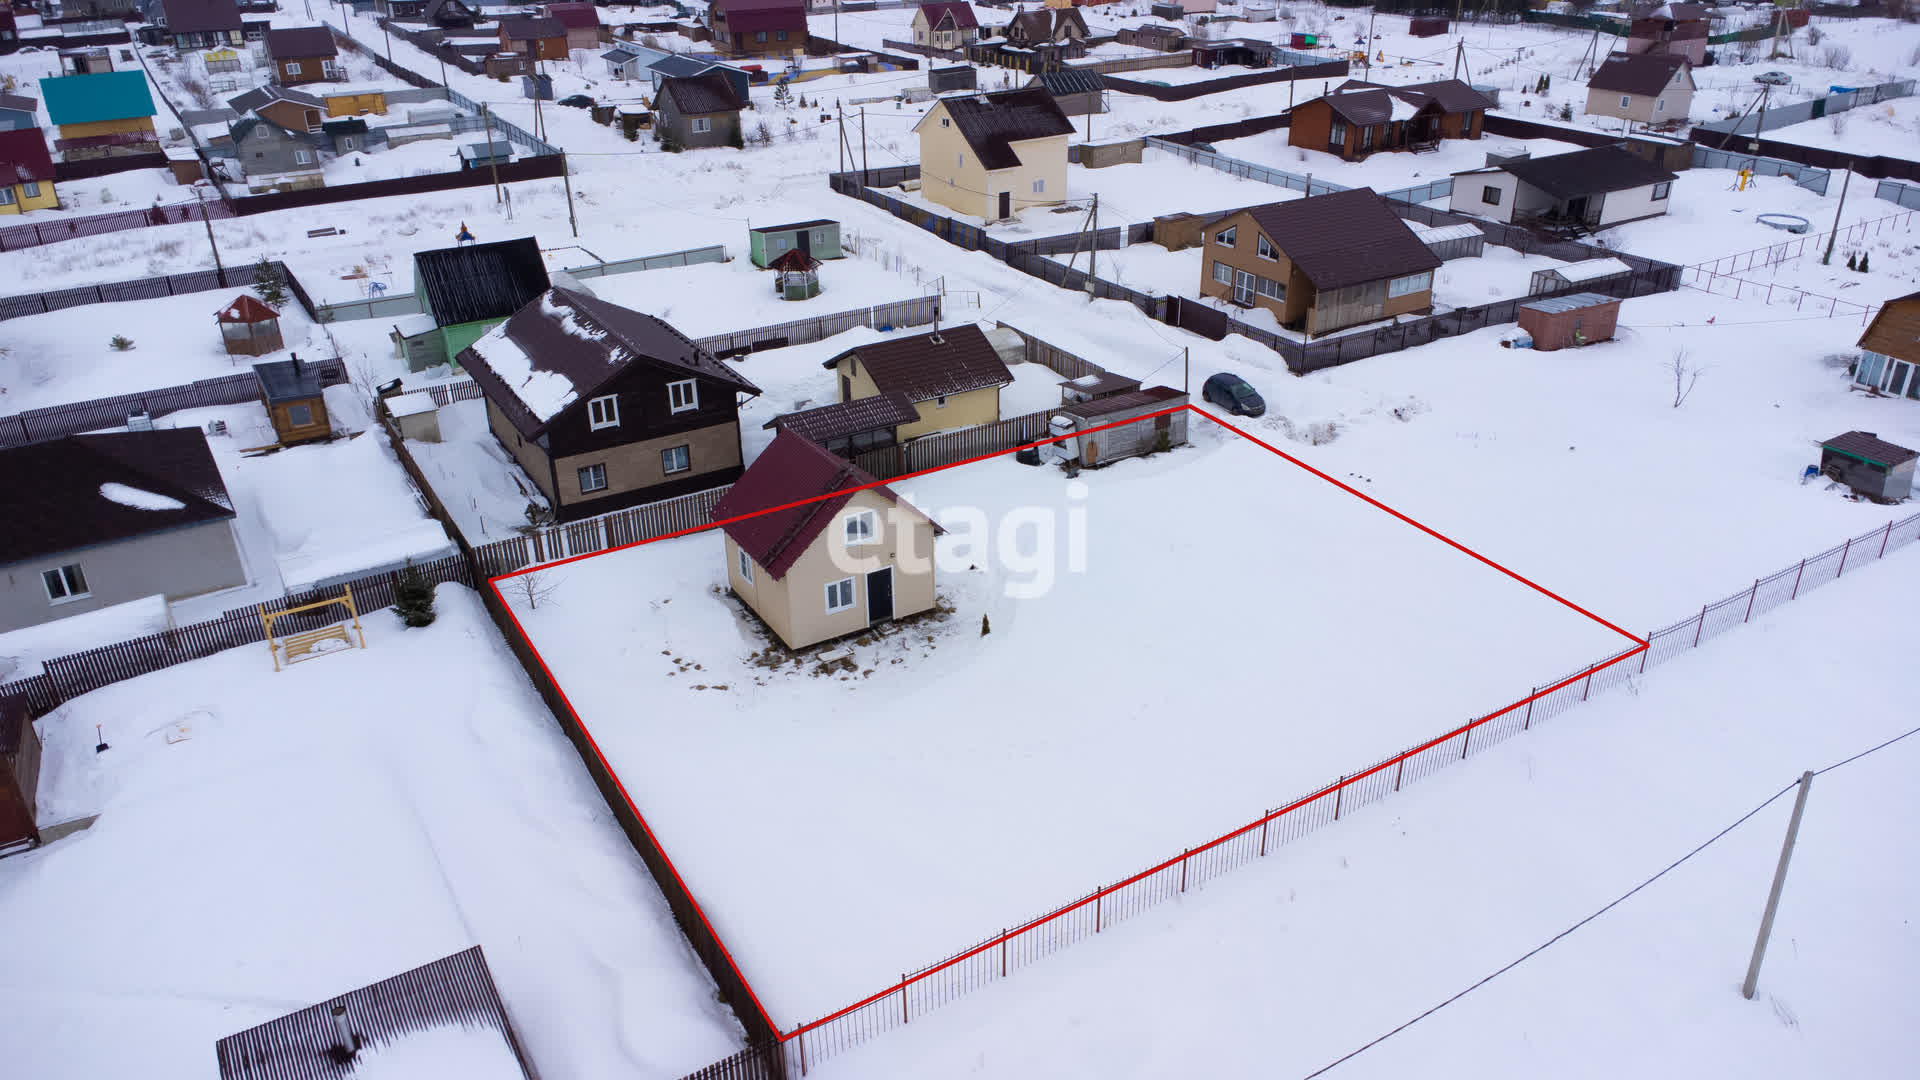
23	156
245	309
575	16
750	16
791	470
961	11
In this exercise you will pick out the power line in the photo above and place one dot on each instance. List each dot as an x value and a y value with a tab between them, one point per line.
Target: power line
1609	906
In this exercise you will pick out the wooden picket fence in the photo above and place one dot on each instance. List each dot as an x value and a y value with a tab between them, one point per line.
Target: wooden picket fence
618	529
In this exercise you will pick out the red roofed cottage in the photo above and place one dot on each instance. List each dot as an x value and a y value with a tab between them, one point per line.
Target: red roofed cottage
830	567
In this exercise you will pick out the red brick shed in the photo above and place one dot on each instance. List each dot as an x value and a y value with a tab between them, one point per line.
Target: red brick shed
1559	322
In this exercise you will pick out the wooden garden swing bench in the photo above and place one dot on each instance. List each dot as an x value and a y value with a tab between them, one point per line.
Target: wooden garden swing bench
305	643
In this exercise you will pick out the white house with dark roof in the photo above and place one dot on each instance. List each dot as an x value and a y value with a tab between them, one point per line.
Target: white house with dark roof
606	407
1580	191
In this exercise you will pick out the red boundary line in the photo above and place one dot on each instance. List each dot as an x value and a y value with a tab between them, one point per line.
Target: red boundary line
1642	645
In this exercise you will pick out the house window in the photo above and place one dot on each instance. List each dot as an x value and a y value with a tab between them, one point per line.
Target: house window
1661	191
839	595
1223	273
760	36
780	243
959	160
1227	237
940	402
66	583
303	157
1490	195
603	412
1266	251
293	68
30	189
299	415
945	122
702	125
1412	283
346	142
675	459
746	568
780	35
683	395
6	196
1337	135
1660	105
1625	101
593	478
860	527
1366	138
1269	288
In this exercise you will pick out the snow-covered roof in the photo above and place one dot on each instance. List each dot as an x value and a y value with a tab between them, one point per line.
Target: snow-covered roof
414	325
1589	269
1403	110
1435	234
411	404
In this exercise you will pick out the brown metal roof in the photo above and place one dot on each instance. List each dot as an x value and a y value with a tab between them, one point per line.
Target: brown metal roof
1642	74
703	94
1888	338
848	417
926	366
455	991
575	16
794	260
1592	171
1138	399
1867	446
245	309
300	42
1346	238
792	469
588	342
52	499
1105	382
1452	95
992	123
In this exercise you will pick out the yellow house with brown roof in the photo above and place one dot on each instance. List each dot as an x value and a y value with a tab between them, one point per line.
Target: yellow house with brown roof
990	156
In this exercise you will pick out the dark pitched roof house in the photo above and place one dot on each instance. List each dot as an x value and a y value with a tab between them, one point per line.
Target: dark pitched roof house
1365	104
481	281
200	16
1866	446
1584	172
267	95
949	14
455	992
448	13
1346	238
1452	95
300	43
1071	81
790	470
295	379
992	123
1644	74
56	497
751	16
848	417
1046	24
702	94
552	355
23	157
939	364
532	28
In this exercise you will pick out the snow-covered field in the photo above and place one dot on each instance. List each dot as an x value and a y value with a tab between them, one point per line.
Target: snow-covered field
322	828
1333	941
1891	128
1092	700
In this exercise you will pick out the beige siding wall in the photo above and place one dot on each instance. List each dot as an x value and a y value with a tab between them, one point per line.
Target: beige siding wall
1040	159
1245	255
637	465
951	176
970	409
530	456
796	605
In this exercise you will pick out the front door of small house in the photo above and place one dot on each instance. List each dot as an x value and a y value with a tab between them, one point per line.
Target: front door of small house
1577	208
880	595
1006	205
804	241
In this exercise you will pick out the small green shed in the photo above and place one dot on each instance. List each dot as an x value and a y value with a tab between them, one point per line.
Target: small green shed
467	290
820	239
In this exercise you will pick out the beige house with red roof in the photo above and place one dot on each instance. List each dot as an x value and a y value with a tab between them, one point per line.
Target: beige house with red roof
951	377
945	24
852	555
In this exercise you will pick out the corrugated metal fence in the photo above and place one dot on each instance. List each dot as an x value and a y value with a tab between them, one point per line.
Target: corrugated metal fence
58	421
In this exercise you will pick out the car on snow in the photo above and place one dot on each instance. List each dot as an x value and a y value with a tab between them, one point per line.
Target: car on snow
1232	393
577	101
1773	78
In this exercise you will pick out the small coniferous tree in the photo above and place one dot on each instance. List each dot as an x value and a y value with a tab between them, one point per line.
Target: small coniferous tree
1863	262
270	283
735	139
413	598
1851	262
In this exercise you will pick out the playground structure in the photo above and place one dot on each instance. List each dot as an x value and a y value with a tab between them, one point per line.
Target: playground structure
305	643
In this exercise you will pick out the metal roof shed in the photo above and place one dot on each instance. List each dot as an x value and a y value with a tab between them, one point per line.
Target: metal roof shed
819	238
1871	466
1557	322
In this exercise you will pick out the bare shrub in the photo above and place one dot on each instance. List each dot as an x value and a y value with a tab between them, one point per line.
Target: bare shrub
1685	374
1837	57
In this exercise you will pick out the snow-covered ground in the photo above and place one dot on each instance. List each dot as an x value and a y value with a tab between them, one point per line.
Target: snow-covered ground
1383	171
1890	128
1071	711
1284	967
484	489
714	298
322	828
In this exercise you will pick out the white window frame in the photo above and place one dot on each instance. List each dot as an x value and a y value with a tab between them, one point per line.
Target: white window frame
6	195
1662	190
603	412
1039	187
68	592
1625	101
292	67
1409	284
682	453
30	189
746	566
1222	273
1491	194
597	471
1228	237
860	527
1264	248
844	584
683	395
700	125
303	157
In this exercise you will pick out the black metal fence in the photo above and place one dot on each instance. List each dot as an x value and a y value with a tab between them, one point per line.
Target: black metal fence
16	237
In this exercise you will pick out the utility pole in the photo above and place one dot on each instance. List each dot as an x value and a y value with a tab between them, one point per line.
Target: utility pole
219	271
1779	881
843	121
1459	51
1093	248
387	36
864	178
492	165
1186	365
1367	60
1835	234
567	181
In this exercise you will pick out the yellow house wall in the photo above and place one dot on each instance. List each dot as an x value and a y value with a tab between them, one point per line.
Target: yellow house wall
354	104
107	127
22	202
949	173
970	409
795	606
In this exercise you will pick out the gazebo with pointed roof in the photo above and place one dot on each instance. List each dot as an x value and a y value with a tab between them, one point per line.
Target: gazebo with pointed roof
249	327
799	275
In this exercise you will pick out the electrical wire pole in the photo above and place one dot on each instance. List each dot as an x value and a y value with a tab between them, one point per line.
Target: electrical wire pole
1093	245
1827	257
864	178
220	271
1459	49
841	109
493	164
567	182
1779	881
1366	58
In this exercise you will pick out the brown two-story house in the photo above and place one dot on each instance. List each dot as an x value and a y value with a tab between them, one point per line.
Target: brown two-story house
1359	118
1319	264
606	407
537	37
303	54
